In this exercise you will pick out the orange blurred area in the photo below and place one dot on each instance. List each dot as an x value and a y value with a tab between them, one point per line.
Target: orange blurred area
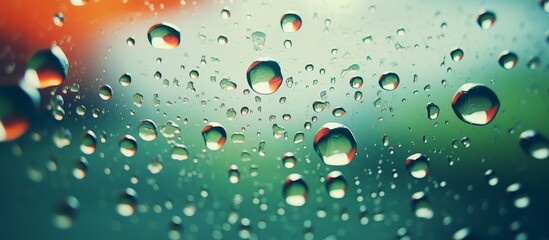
28	26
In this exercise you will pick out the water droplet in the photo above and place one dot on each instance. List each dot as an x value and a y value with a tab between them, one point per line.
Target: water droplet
170	129
507	59
520	198
335	144
289	160
534	144
288	43
290	22
338	112
299	137
125	79
456	54
486	19
17	104
88	143
389	81
418	165
127	201
80	168
356	82
47	68
222	40
179	152
533	63
234	174
194	74
319	106
432	111
421	205
147	130
105	92
336	185
130	41
155	165
491	177
295	190
258	40
401	31
175	227
58	19
227	84
358	95
128	145
309	67
62	137
79	3
225	13
164	36
214	135
475	104
264	76
66	212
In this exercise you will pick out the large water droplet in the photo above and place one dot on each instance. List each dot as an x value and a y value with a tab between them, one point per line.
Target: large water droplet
17	107
289	160
290	22
486	19
180	152
336	185
389	81
147	130
47	68
335	144
126	202
164	36
534	144
264	76
214	135
432	111
128	145
418	165
88	143
421	206
475	104
295	190
507	59
66	212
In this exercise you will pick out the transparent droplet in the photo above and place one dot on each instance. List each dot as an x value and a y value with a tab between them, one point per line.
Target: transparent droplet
88	143
128	145
335	144
130	41
491	177
62	137
358	95
231	114
299	137
164	36
105	92
147	130
421	205
544	4
155	165
127	201
309	67
225	13
533	63
258	40
319	106
234	174
170	129
179	152
486	19
157	75
17	107
389	81
289	160
288	43
336	185
175	228
47	68
214	135
290	22
534	144
227	84
432	111
80	168
356	82
507	59
194	74
418	165
518	195
338	112
456	54
58	19
125	79
222	40
66	212
264	76
295	190
475	104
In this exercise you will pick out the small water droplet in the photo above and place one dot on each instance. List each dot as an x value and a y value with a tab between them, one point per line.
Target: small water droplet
128	145
356	82
290	22
88	142
456	54
225	13
295	190
389	81
432	111
534	144
125	79
289	160
130	41
421	205
336	185
288	43
66	212
58	19
222	40
418	165
507	59
486	19
105	92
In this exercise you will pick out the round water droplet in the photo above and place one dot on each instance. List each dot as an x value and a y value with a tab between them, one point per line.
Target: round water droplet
338	112
225	13
309	67
295	190
335	144
475	104
336	185
432	111
356	82
518	195
421	205
418	165
222	40
290	22
214	135
80	168
289	160
155	165
157	75
180	152
533	63
194	74
486	19
127	201
147	130
164	36
264	76
507	59
389	81
125	79
544	4
130	41
456	54
66	212
17	108
234	174
288	43
128	145
58	19
88	143
105	92
47	68
534	144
